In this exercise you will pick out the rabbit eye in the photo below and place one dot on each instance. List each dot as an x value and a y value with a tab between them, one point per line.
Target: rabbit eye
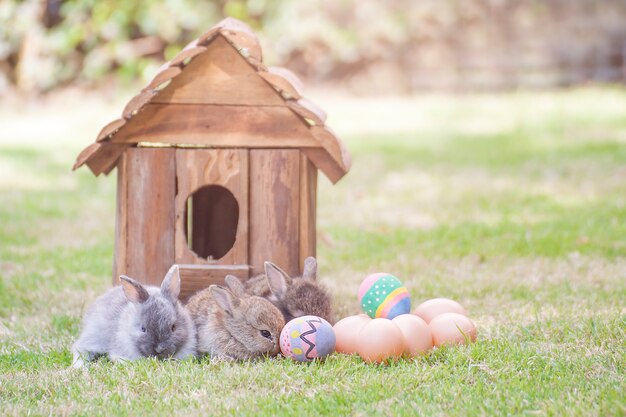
173	327
143	328
266	334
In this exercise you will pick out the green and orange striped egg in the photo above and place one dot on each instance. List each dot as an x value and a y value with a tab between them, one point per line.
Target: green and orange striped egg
382	295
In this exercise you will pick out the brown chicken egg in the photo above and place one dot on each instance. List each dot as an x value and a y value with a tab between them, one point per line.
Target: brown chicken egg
452	329
380	339
346	332
430	309
417	337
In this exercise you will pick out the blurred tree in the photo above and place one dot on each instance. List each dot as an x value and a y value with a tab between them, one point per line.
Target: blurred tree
402	44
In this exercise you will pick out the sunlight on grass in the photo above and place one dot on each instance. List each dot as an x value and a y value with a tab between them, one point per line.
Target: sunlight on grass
512	204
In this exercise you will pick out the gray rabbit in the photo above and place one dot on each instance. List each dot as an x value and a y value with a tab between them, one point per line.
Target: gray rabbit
133	321
293	296
232	325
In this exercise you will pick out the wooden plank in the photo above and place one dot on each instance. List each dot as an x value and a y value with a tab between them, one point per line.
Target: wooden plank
164	74
274	209
85	154
281	84
309	110
110	129
197	277
288	75
151	177
191	51
226	167
207	36
215	125
136	103
246	43
325	163
219	76
121	220
333	158
308	208
243	38
105	158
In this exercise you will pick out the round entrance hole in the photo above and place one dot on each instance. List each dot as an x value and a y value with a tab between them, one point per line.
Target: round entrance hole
212	216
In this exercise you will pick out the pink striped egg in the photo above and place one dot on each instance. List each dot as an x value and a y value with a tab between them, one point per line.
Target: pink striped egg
382	295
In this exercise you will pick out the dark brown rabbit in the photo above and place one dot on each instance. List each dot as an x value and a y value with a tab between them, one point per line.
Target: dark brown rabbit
294	296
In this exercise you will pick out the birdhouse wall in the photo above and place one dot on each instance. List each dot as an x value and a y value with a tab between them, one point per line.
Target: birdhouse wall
274	208
144	244
275	193
226	168
308	209
282	209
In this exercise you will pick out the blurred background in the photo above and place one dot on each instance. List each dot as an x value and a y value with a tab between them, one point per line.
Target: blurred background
366	47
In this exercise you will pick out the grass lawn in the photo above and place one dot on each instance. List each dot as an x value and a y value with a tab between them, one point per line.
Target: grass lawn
512	204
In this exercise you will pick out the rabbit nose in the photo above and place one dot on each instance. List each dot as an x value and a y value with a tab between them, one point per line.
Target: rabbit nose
160	349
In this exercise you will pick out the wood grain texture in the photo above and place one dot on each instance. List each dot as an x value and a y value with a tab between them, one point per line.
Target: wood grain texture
217	125
219	76
189	52
281	84
274	209
136	103
198	167
207	36
246	43
243	38
308	208
305	108
110	129
85	154
325	163
150	176
165	74
333	157
198	277
103	160
288	75
329	140
121	220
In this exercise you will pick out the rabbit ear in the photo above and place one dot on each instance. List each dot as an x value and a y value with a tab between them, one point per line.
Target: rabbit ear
225	299
277	279
170	286
133	290
235	285
310	268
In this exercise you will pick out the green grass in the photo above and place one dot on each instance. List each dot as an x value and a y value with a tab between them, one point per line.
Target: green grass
513	204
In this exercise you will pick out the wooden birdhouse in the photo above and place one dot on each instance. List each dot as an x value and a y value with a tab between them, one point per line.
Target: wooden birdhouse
217	161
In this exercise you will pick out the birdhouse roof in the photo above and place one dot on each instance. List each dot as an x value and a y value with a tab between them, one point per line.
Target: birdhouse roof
218	93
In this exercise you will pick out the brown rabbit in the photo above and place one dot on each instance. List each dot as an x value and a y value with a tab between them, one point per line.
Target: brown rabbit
294	297
235	326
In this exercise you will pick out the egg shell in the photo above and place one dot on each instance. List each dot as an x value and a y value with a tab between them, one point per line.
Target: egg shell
430	309
417	337
307	338
452	329
382	295
380	339
346	332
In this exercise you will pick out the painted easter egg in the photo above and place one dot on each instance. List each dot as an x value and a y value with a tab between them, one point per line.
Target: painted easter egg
382	295
307	338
